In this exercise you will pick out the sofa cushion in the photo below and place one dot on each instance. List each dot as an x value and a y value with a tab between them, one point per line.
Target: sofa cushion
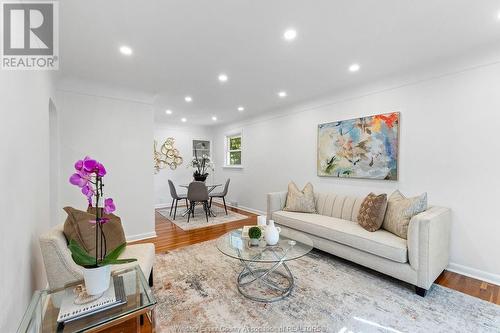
372	211
400	210
339	206
300	201
380	242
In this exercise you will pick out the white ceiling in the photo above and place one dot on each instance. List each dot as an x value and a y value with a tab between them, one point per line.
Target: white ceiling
181	46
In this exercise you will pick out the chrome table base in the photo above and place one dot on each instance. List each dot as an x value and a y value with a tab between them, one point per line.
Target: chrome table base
266	280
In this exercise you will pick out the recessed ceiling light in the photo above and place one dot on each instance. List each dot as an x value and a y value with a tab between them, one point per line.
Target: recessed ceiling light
498	15
282	94
354	68
290	34
240	108
214	118
188	99
184	120
168	111
223	77
125	50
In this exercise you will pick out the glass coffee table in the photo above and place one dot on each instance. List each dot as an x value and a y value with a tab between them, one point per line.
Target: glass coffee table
41	316
265	276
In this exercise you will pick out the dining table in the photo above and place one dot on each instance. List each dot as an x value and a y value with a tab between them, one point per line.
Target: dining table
210	188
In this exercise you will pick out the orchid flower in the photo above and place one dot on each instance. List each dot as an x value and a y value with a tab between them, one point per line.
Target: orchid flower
78	180
100	170
109	206
88	177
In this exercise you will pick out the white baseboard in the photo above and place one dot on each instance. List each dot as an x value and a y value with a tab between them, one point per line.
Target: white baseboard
162	205
133	238
474	273
248	209
167	205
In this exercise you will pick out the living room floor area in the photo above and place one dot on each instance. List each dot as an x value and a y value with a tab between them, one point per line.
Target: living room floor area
170	237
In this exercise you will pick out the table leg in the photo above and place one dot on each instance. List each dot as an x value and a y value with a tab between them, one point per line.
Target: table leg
250	276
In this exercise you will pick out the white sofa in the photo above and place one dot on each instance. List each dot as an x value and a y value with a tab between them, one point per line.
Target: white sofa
61	269
418	260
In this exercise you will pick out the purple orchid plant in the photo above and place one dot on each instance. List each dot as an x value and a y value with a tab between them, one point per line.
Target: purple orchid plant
88	177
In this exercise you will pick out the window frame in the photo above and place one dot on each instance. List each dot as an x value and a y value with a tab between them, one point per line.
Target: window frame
227	150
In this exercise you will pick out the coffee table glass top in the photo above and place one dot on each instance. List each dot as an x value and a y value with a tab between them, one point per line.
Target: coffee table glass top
234	245
43	310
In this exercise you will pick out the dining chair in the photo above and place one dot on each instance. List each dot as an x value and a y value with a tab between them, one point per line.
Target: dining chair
197	192
221	194
175	197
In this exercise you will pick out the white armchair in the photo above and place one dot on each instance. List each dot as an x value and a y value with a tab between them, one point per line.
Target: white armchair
61	269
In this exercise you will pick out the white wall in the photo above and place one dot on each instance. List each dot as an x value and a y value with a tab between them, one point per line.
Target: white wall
183	142
448	147
117	131
24	195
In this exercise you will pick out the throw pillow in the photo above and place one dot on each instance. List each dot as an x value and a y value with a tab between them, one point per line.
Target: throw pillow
78	228
300	201
372	211
400	210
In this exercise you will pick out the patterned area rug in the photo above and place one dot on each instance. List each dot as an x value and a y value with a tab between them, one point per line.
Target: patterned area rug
196	292
199	220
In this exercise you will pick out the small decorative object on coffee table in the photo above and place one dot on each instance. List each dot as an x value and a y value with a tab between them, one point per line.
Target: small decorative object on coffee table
96	269
272	233
265	276
254	234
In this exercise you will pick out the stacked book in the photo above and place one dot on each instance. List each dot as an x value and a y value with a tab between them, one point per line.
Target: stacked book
71	310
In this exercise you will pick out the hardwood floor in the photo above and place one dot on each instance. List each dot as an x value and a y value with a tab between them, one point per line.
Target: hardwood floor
170	237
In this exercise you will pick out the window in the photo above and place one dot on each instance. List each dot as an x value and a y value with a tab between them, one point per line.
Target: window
201	147
233	150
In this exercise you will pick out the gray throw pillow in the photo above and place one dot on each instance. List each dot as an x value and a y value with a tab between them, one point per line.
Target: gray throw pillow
300	201
400	210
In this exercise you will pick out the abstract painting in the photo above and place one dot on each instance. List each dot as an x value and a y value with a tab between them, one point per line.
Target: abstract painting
360	148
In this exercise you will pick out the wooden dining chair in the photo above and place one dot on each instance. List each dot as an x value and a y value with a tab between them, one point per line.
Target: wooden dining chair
221	195
197	192
175	197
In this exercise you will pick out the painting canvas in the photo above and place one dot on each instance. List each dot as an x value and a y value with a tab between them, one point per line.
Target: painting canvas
360	148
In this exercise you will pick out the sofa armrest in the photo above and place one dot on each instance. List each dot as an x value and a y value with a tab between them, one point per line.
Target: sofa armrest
429	244
275	202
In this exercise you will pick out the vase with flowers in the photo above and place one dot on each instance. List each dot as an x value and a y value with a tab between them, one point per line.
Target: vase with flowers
201	165
96	269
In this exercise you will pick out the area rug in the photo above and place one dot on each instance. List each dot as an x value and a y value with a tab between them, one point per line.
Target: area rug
196	291
199	220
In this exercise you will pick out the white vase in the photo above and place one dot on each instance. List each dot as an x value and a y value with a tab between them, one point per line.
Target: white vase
97	279
261	220
272	233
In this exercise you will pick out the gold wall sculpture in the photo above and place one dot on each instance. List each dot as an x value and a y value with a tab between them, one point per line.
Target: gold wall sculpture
167	155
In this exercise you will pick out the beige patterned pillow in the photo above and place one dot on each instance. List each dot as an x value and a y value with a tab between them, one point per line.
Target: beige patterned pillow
300	201
372	211
400	210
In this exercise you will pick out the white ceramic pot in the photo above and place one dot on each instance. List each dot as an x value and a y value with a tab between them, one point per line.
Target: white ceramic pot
272	233
97	279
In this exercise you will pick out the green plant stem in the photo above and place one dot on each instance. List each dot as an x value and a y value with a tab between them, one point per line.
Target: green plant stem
97	221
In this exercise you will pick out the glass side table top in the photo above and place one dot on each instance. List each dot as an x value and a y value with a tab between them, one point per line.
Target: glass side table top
41	315
234	245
